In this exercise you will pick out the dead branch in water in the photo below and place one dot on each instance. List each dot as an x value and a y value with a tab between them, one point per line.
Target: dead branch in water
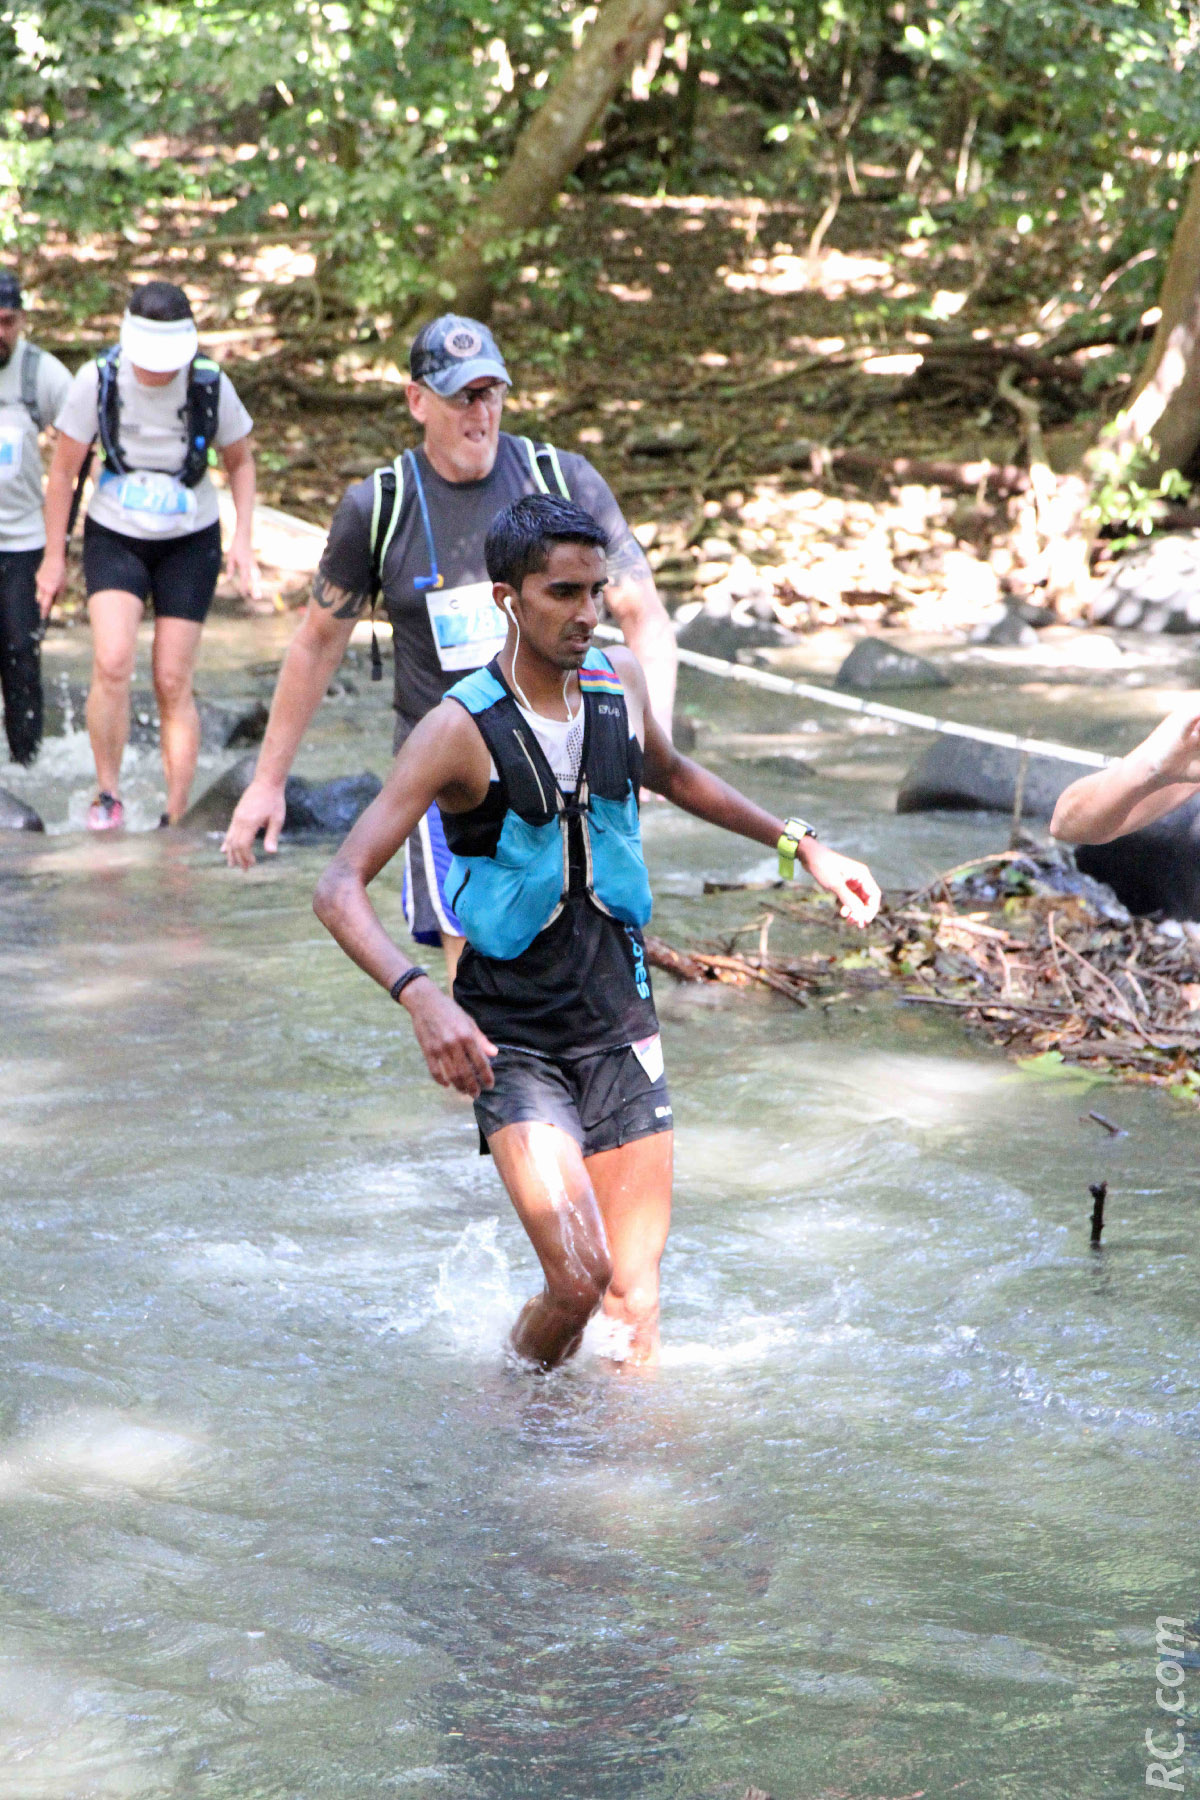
994	946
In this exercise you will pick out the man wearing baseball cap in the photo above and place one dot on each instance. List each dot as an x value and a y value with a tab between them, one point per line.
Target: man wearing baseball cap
418	530
152	532
33	385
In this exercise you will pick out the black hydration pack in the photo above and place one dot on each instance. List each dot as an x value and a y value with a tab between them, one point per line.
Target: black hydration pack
203	400
388	489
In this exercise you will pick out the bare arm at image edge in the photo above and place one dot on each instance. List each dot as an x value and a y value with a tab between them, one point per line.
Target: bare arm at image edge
1150	782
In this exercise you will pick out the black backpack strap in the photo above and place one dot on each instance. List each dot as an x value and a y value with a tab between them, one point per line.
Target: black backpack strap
545	468
30	361
203	409
387	500
109	412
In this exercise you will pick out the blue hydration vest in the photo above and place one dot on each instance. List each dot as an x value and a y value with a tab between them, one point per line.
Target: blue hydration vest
510	869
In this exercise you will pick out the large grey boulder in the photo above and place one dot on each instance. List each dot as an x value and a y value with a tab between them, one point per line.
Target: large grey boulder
1155	870
16	816
1154	588
711	635
224	724
327	808
960	775
228	724
875	665
314	809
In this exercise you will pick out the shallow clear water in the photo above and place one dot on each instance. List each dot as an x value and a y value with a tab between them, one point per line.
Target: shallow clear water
897	1516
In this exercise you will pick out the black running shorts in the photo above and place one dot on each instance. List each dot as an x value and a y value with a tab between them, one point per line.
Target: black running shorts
602	1099
179	574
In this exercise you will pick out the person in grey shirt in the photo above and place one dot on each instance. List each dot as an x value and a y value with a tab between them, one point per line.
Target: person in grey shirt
152	532
436	590
33	385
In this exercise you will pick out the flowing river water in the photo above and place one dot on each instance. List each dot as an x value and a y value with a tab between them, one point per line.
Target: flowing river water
279	1521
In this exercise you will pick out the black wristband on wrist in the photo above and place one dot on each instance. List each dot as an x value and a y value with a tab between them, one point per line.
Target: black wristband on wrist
401	982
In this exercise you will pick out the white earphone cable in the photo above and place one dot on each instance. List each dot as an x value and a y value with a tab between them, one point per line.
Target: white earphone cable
571	716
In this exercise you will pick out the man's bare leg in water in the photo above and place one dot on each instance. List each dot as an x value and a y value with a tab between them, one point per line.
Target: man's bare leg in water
599	1226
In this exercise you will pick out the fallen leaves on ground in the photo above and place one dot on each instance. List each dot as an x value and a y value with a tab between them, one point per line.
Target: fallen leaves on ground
1041	959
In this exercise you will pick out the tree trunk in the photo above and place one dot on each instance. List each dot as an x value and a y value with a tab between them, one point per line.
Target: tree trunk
550	146
1166	402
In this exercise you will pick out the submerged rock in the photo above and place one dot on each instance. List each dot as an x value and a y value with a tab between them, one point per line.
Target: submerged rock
1010	631
314	809
228	724
224	724
1155	870
874	665
16	816
959	775
214	809
328	808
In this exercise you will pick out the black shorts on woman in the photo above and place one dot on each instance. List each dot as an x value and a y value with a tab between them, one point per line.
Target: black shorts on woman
178	574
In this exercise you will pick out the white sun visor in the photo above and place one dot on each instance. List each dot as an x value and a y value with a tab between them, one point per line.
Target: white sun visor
159	345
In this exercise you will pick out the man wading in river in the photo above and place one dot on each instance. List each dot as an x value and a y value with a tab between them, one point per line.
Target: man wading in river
416	531
535	764
33	385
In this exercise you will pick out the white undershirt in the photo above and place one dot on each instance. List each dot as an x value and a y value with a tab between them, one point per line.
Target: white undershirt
562	742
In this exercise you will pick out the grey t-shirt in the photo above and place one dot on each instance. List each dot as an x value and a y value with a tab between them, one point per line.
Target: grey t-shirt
153	436
21	524
438	635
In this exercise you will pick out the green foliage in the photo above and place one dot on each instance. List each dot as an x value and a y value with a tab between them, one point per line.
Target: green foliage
381	121
1119	494
373	120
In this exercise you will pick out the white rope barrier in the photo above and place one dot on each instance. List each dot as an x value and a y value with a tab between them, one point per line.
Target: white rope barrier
875	709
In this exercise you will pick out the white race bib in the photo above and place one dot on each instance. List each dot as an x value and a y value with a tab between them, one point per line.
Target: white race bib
154	501
12	447
468	627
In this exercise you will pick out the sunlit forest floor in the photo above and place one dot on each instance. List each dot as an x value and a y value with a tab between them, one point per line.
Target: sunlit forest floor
695	350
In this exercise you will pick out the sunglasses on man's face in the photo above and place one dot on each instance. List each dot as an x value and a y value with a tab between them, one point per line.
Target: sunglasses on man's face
490	392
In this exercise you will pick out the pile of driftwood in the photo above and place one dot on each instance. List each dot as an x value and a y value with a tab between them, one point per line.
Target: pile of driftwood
1041	959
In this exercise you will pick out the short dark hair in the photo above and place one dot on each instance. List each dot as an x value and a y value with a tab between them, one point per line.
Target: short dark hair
160	300
519	538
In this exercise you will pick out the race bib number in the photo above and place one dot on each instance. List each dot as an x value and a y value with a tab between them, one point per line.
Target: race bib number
12	446
468	626
153	500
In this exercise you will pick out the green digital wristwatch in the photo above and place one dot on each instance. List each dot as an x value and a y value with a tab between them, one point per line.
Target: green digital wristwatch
794	830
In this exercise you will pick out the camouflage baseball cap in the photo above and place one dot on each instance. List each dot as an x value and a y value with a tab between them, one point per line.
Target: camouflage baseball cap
451	351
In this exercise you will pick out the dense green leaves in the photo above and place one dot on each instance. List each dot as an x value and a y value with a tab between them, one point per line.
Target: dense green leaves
379	121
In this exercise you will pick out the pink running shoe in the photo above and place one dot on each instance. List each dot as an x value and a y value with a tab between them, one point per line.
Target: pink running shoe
106	813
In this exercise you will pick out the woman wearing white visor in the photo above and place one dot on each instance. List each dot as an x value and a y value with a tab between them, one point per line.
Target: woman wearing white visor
160	411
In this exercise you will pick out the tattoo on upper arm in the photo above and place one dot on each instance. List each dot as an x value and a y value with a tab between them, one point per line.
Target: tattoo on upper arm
627	561
337	600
